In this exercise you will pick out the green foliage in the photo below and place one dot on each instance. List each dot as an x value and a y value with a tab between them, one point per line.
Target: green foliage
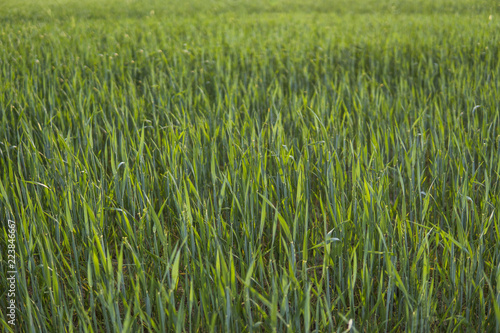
181	167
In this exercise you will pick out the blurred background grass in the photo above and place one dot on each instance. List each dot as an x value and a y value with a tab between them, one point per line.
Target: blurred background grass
113	9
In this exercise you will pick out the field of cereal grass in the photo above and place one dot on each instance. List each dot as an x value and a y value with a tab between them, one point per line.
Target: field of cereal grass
210	166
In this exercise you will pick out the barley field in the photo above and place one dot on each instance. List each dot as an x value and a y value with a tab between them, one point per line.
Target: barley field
250	166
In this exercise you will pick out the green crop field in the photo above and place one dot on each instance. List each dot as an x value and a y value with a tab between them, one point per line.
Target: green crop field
250	166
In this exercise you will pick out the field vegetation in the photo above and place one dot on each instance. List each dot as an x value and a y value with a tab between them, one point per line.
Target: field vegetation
226	166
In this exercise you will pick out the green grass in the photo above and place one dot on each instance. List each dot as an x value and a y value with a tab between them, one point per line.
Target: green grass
177	167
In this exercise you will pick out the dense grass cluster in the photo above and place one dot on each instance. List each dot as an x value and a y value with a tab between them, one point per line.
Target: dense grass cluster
181	170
